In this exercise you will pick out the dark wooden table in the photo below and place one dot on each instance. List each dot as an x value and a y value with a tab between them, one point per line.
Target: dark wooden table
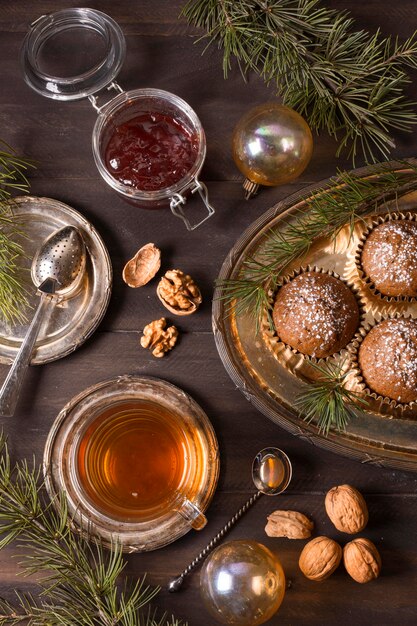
162	53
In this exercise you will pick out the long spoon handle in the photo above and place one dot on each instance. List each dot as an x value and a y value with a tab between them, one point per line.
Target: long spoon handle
175	585
10	391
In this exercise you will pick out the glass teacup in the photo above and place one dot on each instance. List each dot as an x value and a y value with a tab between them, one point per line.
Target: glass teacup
137	460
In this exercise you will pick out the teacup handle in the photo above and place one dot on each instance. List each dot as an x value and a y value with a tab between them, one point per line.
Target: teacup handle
192	514
177	202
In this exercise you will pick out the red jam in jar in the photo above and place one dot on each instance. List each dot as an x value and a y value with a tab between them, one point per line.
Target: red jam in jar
150	152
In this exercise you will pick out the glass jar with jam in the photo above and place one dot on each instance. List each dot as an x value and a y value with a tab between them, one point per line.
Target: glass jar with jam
148	144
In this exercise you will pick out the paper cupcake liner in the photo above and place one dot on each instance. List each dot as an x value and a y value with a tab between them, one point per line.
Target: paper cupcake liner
377	221
359	380
269	334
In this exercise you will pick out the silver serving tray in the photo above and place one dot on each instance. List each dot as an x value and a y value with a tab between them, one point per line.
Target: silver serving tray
270	384
71	322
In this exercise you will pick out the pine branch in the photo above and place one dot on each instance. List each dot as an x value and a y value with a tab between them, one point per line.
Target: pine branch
349	83
79	580
13	294
327	401
9	615
346	198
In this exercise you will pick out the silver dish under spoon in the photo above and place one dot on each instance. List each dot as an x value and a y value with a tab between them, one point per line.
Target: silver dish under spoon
57	270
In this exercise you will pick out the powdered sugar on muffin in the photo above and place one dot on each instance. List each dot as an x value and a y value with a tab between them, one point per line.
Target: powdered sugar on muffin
316	314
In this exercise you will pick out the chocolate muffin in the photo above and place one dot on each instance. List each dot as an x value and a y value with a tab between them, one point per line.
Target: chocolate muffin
389	258
316	314
388	359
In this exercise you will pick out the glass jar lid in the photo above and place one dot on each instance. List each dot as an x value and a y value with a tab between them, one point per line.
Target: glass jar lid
72	53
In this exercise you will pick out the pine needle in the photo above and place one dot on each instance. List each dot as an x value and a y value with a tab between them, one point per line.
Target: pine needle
347	82
347	198
327	401
80	581
13	293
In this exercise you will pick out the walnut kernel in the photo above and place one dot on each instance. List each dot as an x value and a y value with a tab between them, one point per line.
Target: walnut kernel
158	338
319	558
362	560
179	293
290	524
347	509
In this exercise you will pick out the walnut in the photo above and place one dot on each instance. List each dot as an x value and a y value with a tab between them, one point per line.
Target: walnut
319	558
143	266
362	560
158	338
347	509
291	524
179	293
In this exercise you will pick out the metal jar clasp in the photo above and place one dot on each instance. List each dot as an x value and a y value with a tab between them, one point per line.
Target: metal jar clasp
177	202
94	99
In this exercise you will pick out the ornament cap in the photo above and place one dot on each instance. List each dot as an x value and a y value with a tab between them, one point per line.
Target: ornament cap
251	188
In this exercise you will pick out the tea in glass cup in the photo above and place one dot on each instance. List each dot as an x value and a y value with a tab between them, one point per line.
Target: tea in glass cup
133	463
137	459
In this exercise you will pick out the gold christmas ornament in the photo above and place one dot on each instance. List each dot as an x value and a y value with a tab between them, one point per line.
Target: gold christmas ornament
242	583
272	145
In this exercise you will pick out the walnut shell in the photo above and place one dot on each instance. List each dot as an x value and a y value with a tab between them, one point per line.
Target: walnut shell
290	524
319	558
347	509
143	266
362	560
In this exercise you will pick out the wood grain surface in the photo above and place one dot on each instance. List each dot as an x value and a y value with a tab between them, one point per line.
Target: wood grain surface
162	52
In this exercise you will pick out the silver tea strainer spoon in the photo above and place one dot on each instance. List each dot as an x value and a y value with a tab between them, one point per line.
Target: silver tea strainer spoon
271	474
57	269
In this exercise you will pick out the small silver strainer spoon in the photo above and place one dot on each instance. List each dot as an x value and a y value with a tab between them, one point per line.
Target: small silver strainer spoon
271	474
57	269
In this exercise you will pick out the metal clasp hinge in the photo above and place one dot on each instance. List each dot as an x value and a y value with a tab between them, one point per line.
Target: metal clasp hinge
178	201
94	99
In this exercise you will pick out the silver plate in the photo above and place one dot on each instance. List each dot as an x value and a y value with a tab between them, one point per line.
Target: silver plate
269	383
71	322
